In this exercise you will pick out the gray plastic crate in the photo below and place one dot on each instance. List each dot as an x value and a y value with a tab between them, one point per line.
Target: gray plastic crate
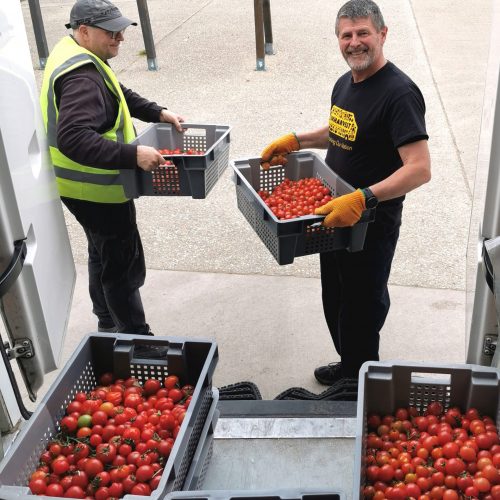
192	360
287	239
384	387
191	175
279	494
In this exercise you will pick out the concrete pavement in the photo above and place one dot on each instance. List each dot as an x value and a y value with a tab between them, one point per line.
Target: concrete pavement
208	273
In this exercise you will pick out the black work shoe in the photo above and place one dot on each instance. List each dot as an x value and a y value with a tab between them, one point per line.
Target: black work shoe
328	374
111	329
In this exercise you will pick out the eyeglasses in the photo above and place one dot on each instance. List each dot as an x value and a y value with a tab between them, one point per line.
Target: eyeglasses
111	34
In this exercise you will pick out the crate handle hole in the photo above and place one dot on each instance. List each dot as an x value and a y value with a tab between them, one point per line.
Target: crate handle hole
200	132
426	378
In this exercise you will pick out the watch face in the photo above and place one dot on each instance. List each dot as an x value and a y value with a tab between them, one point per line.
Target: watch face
371	202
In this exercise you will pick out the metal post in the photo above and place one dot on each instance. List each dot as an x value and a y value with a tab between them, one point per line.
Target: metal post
147	34
41	40
268	29
259	34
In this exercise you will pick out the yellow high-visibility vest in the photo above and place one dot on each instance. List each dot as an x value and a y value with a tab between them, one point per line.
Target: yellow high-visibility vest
75	180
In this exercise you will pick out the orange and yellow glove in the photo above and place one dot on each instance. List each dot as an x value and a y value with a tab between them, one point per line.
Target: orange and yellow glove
343	211
273	153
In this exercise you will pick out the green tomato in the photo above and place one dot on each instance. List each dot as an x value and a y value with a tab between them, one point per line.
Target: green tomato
85	421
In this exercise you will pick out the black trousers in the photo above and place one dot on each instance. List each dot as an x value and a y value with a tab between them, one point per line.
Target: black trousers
116	263
355	294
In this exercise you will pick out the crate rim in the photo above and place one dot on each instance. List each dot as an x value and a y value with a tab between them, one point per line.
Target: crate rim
427	366
188	126
307	218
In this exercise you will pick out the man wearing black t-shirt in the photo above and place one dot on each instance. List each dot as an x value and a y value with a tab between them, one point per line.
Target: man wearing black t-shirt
377	141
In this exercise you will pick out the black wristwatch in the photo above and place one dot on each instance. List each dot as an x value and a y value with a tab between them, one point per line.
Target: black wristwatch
371	201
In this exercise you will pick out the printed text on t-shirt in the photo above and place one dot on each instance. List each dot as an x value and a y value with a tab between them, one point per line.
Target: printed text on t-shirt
343	124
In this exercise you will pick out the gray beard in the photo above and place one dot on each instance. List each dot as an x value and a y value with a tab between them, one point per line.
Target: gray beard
359	66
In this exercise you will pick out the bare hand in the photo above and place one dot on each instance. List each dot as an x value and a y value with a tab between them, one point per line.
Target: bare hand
167	116
149	158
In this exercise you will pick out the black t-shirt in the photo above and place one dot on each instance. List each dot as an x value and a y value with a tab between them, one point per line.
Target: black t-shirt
369	120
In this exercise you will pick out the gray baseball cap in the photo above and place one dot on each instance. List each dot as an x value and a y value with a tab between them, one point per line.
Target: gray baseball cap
100	13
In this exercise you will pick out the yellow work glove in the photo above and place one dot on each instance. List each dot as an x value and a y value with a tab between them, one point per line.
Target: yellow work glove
273	153
343	211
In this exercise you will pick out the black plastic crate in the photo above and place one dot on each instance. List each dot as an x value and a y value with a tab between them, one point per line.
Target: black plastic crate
281	494
239	391
190	175
287	239
385	386
193	361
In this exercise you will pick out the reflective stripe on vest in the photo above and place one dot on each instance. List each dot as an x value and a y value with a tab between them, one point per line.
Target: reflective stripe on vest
76	180
74	175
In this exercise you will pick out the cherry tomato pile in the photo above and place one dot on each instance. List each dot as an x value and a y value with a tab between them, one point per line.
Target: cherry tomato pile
178	151
291	199
114	440
439	454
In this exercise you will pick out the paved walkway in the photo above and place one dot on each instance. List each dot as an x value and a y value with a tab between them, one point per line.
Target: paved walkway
209	275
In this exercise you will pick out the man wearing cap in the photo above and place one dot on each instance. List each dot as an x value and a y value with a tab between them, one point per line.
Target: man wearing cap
88	118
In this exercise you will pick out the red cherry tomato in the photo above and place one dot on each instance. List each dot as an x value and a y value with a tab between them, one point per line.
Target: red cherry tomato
69	424
171	381
152	386
114	397
102	493
74	492
93	467
81	450
175	395
132	434
38	486
133	400
54	490
128	483
115	490
141	489
79	478
60	465
144	473
155	481
105	452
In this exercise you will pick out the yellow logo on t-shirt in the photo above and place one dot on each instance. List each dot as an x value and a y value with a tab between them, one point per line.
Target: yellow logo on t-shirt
343	123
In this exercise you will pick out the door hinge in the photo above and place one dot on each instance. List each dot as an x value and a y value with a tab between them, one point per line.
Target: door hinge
490	345
23	348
